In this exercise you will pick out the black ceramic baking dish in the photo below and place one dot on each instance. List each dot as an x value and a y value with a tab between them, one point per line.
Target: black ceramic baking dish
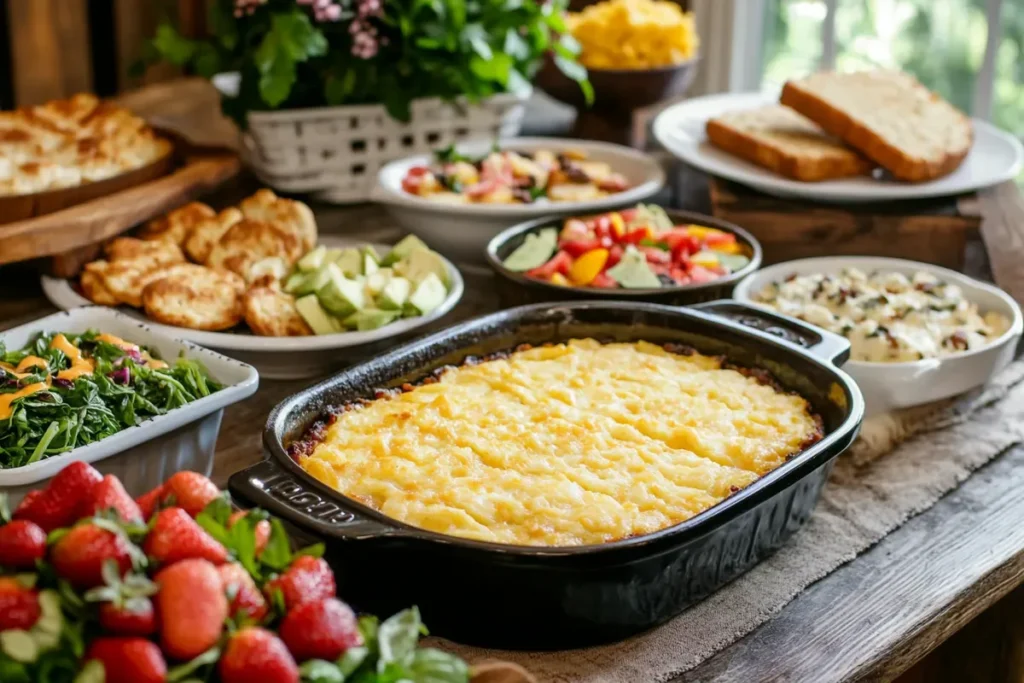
516	289
558	597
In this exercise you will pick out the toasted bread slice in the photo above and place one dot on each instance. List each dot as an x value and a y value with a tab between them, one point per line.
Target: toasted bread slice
783	141
887	116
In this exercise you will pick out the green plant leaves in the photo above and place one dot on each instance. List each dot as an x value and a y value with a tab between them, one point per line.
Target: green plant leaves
291	39
578	73
174	47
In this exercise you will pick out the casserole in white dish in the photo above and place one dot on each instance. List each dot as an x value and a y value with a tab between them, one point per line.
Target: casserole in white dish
892	385
462	231
144	455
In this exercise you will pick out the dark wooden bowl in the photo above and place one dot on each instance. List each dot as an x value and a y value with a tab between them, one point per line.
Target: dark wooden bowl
617	94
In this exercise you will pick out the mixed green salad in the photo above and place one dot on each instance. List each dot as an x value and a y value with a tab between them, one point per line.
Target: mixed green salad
66	390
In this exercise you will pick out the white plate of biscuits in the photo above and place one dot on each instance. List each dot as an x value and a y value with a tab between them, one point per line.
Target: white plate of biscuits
194	274
852	137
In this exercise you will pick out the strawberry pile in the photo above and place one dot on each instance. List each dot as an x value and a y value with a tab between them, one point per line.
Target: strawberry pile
98	587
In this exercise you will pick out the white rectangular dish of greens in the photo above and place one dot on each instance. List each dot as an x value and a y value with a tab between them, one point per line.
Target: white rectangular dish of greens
94	385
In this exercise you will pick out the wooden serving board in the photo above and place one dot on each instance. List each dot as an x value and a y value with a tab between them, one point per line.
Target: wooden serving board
203	160
934	230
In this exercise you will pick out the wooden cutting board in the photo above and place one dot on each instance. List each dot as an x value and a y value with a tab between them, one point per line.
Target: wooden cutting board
205	158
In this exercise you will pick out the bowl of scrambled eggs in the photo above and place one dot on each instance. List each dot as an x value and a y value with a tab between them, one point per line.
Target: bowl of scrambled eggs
637	53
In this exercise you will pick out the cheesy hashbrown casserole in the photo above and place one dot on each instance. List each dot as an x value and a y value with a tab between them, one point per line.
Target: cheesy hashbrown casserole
569	444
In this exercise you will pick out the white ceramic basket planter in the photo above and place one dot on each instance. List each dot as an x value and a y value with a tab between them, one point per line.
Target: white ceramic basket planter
336	152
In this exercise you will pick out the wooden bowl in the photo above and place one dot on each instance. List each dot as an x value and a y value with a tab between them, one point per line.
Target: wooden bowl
617	94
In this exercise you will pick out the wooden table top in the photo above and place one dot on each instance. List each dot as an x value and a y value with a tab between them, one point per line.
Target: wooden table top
871	619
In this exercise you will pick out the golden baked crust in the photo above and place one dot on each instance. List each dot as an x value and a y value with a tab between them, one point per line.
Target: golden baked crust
93	285
287	215
178	225
249	241
70	142
207	232
269	312
569	444
132	249
195	297
889	117
783	141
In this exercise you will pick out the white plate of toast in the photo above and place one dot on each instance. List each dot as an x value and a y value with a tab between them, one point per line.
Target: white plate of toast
858	137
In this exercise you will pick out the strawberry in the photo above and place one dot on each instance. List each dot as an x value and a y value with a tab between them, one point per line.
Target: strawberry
109	494
60	502
176	536
247	597
190	490
30	498
21	543
191	608
322	629
307	579
19	605
262	529
128	660
135	618
79	555
149	501
255	654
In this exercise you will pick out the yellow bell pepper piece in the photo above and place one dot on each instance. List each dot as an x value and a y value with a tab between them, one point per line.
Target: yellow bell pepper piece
618	224
704	258
559	279
732	248
588	266
701	232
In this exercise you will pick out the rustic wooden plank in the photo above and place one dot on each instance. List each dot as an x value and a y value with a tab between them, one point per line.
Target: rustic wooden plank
50	48
1002	230
134	23
873	618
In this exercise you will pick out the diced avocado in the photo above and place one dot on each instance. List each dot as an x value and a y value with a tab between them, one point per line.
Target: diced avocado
370	319
405	246
535	250
395	294
315	280
273	265
368	250
632	272
294	281
341	295
369	265
332	255
428	295
312	260
733	262
315	316
350	262
421	263
91	672
376	282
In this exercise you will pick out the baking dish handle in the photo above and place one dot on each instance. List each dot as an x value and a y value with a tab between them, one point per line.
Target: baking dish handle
271	487
821	343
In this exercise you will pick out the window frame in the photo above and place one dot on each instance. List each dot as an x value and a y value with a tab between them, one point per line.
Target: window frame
747	39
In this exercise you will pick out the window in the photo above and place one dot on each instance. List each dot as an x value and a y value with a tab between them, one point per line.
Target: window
945	43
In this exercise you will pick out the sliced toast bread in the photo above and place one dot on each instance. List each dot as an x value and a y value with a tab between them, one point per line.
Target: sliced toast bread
887	116
783	141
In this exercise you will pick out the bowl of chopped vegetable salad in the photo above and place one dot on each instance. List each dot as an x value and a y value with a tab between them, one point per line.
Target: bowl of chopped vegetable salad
644	252
94	385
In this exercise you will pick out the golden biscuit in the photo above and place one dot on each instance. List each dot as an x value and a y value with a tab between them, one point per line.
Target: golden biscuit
206	233
249	241
285	214
176	226
195	297
269	312
93	285
125	249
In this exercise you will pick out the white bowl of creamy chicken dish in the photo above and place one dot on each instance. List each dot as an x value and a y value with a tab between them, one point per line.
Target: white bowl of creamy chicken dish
918	332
